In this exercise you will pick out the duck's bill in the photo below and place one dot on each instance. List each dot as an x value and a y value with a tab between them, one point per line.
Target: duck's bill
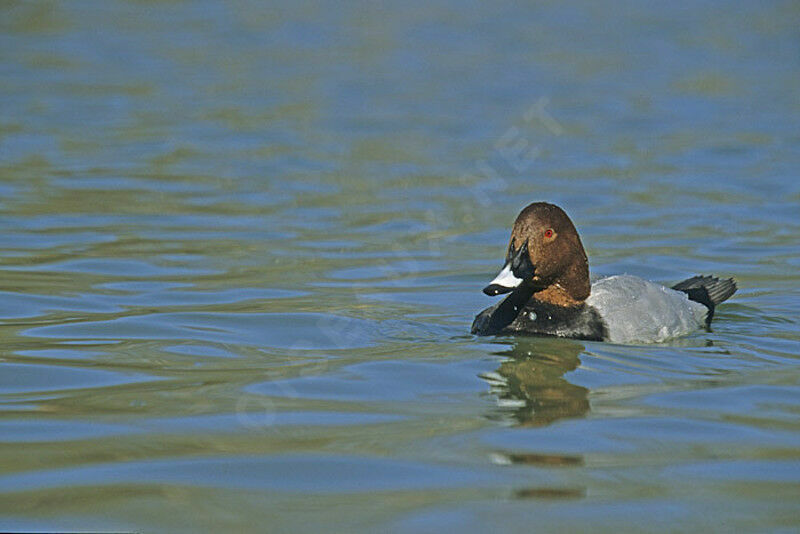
504	282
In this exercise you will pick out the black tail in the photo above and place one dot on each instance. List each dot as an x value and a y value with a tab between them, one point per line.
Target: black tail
708	291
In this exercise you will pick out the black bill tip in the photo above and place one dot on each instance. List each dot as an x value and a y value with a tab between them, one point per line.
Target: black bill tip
496	289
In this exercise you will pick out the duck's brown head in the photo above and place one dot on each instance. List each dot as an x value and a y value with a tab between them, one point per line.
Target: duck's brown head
546	254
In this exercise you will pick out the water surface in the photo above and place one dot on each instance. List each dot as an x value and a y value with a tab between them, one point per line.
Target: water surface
241	247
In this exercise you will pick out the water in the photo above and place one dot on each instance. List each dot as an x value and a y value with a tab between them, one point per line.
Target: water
242	246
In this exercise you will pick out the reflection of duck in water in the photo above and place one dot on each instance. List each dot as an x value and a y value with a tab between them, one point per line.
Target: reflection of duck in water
530	385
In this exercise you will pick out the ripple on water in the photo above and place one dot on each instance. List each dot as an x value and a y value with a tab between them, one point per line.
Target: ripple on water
379	382
279	330
54	430
40	378
121	268
287	472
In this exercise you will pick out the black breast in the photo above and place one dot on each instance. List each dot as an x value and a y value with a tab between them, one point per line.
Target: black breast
540	318
579	322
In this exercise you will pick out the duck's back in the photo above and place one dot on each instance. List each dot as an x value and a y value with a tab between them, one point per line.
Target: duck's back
635	310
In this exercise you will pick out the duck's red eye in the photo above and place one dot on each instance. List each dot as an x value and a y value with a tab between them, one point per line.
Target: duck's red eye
548	234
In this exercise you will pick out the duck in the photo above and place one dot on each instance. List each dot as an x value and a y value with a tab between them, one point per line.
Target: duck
546	277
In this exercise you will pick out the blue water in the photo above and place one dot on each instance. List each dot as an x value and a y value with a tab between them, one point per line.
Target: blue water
242	245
